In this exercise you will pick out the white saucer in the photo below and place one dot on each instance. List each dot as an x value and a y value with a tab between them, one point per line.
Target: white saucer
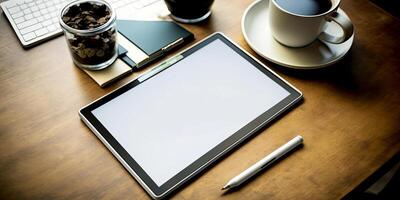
255	28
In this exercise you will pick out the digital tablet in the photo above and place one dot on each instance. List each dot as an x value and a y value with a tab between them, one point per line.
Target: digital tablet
171	123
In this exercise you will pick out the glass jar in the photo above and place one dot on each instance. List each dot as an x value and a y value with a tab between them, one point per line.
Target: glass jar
93	47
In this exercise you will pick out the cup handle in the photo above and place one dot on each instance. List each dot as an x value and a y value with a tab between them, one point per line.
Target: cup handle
344	22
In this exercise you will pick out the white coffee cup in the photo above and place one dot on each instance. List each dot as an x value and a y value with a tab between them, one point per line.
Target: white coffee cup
295	30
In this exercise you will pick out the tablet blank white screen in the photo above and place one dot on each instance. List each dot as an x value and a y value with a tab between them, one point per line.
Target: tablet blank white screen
175	117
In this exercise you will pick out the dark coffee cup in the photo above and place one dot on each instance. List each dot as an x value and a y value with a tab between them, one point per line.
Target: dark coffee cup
189	11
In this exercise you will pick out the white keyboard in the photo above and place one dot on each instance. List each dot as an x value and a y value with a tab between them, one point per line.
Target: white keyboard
35	21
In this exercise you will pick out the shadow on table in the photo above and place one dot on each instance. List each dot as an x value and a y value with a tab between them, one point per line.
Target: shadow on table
390	6
381	185
356	75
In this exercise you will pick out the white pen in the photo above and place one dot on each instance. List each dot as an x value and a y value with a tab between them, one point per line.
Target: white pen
275	155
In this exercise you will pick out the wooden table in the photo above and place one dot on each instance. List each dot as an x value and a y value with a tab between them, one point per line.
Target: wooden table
350	120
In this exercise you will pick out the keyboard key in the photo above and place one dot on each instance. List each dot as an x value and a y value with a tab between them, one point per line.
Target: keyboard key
23	6
29	36
41	6
46	23
49	3
11	4
19	20
27	11
30	29
13	10
52	28
34	8
27	23
44	11
40	19
17	15
41	32
28	16
37	14
55	20
31	4
52	8
54	14
20	2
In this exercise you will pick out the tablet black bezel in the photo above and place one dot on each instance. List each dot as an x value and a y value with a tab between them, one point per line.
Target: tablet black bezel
214	153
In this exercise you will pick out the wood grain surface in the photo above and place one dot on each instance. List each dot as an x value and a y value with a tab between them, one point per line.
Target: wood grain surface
349	120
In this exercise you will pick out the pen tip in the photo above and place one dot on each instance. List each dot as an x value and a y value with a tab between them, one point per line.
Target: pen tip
225	187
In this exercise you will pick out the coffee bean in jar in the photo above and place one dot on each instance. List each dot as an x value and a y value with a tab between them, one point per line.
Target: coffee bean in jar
90	31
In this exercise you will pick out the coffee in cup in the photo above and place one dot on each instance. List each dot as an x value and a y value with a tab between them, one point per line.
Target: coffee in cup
297	23
189	11
305	7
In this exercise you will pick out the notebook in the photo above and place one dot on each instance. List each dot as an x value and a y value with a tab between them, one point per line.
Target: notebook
140	43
